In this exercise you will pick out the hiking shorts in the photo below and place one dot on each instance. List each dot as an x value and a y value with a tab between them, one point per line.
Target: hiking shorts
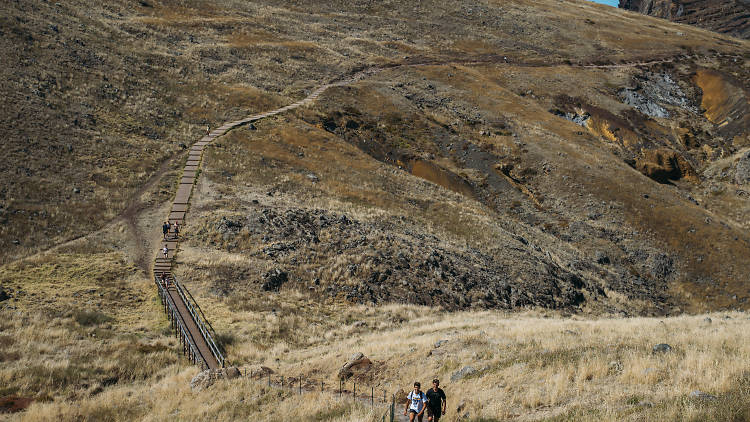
434	414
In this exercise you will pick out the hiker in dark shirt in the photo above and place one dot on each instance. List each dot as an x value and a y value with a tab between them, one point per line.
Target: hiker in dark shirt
435	402
165	229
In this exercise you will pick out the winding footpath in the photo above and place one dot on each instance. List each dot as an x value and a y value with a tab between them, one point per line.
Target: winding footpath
195	332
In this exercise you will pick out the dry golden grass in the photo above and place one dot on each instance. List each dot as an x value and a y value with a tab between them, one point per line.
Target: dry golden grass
88	339
530	366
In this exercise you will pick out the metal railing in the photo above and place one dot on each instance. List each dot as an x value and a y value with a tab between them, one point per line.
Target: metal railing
207	331
189	346
312	385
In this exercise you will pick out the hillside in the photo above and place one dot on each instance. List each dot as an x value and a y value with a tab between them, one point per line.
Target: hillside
565	159
730	17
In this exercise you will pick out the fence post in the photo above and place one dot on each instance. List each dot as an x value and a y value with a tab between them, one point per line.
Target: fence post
355	391
300	385
393	406
269	379
321	386
282	382
372	396
340	388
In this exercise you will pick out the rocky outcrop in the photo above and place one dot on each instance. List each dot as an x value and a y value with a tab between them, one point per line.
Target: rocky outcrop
652	92
725	16
208	377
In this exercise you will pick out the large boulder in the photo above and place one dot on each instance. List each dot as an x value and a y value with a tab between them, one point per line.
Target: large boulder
662	348
357	364
3	295
207	378
202	381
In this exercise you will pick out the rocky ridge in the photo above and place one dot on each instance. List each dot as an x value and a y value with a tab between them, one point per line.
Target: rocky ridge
726	16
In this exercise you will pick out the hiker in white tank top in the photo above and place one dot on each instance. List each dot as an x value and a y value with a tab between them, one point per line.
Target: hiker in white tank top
415	404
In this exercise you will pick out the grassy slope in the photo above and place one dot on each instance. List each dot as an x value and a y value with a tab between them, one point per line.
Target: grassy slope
246	57
530	367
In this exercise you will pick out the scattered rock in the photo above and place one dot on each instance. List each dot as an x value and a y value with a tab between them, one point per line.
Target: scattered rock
707	320
182	145
261	372
742	171
3	295
357	364
232	372
463	373
662	348
201	381
274	279
252	127
76	190
313	178
643	104
579	119
440	343
645	403
461	406
700	395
